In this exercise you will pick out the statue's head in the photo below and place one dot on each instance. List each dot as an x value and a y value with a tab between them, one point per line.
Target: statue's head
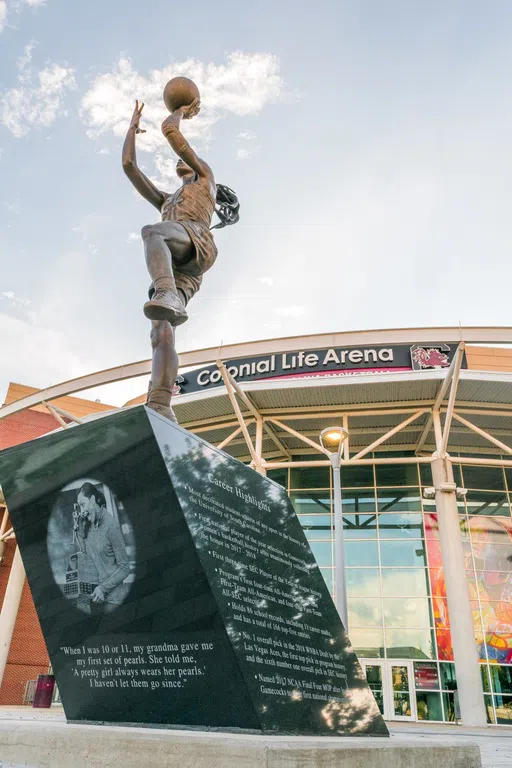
183	170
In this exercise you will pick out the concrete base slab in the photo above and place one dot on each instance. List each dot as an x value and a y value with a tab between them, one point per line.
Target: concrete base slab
49	744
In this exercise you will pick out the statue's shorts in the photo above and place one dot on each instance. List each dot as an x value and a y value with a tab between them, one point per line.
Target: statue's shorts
189	276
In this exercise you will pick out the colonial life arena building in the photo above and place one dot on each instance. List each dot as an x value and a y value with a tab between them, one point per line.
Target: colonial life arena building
426	477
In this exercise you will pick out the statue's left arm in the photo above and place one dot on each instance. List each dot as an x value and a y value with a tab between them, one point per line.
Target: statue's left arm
171	131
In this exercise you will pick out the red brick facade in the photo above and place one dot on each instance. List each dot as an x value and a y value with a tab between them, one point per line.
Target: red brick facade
27	656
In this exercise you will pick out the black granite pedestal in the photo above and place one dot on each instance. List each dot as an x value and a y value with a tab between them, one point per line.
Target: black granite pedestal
175	586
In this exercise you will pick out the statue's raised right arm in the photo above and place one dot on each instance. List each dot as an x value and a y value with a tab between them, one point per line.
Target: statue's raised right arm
140	181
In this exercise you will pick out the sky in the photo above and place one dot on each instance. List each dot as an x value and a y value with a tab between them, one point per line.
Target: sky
369	144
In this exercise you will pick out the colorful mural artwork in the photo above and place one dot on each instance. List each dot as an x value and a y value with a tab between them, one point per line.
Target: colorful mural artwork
438	587
488	552
490	556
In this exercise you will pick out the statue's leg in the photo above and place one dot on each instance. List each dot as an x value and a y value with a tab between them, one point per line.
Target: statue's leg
164	369
165	243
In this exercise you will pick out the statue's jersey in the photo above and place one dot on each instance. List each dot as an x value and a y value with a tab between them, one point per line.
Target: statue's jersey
192	205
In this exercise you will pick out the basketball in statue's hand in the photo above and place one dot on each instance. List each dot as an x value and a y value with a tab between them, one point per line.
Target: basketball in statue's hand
180	92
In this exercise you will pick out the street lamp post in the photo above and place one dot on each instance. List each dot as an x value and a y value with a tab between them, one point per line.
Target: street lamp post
331	440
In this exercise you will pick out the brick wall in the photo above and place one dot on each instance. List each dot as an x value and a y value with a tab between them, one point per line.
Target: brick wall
27	656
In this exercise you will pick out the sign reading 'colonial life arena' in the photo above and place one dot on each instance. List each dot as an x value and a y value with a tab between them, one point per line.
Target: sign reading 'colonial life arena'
175	585
327	361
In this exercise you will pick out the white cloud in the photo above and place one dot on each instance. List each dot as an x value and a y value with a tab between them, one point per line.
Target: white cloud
15	5
25	59
248	146
13	299
3	14
290	311
133	237
37	101
242	86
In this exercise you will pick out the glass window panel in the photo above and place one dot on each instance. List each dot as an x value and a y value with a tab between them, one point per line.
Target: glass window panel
407	582
402	553
426	475
484	671
361	553
487	503
406	612
448	676
358	501
431	524
457	474
364	612
449	707
313	534
488	530
503	705
311	502
426	677
399	500
400	687
279	476
501	679
360	526
362	582
368	643
410	644
327	573
444	644
441	616
357	477
375	683
310	477
490	478
429	706
400	525
323	522
491	584
497	557
322	551
396	474
490	710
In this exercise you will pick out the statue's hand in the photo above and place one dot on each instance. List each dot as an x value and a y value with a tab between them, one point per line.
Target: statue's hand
191	110
137	112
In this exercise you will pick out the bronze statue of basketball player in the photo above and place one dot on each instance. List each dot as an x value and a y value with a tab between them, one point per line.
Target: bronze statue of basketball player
179	249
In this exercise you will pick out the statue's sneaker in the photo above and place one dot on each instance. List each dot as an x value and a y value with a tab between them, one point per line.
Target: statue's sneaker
163	410
166	305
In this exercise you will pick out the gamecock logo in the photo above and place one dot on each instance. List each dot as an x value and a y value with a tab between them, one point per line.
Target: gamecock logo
176	390
423	358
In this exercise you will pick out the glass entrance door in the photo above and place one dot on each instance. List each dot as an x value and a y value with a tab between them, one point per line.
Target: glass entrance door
401	690
375	678
391	682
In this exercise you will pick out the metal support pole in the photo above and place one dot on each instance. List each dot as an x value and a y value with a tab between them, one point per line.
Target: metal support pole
339	551
438	431
238	412
260	466
482	433
346	444
387	435
296	434
459	355
467	668
10	607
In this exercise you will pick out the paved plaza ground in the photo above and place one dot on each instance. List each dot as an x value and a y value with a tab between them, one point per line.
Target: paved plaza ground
495	743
